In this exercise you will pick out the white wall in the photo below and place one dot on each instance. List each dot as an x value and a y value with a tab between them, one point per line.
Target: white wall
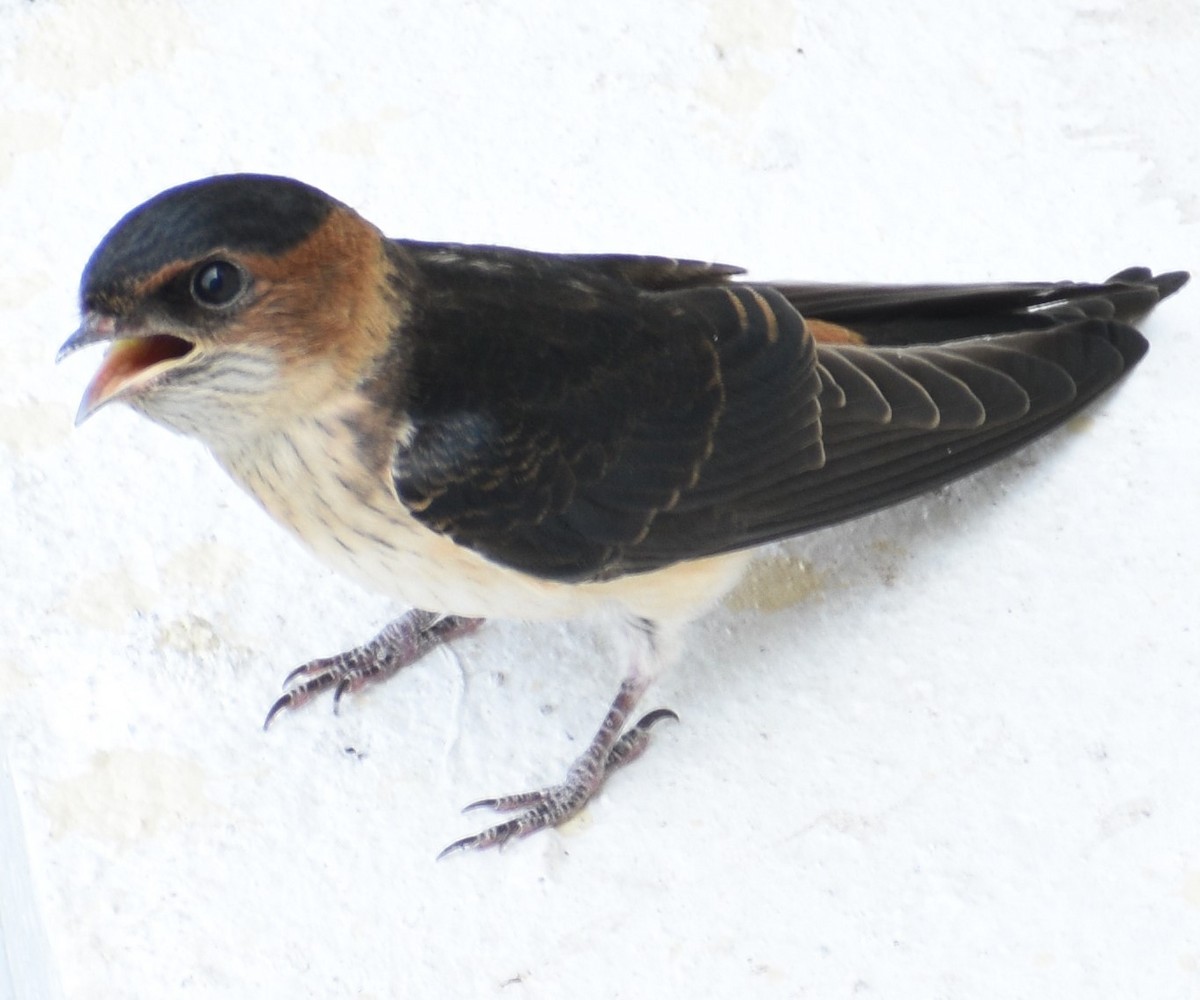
954	756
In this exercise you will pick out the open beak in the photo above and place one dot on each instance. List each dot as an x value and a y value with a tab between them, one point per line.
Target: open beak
130	364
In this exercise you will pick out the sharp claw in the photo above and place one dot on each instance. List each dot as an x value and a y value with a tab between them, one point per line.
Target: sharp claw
650	718
636	738
555	804
496	836
458	845
511	803
343	686
397	645
301	671
282	702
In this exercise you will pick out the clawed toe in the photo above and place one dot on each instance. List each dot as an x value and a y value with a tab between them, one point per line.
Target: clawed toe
633	743
511	803
406	640
402	642
551	806
282	702
493	836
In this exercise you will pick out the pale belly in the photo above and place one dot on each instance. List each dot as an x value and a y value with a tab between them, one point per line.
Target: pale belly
353	522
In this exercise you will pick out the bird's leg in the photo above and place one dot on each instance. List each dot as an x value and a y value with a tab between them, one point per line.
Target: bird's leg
397	645
555	804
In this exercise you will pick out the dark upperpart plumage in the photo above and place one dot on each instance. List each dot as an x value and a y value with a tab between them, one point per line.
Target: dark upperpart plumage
586	417
581	417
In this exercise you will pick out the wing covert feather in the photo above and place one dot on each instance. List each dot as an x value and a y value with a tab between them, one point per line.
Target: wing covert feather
581	418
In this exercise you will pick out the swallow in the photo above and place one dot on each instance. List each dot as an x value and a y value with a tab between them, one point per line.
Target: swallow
485	432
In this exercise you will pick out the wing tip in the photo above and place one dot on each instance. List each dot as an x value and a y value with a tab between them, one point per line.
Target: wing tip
1165	284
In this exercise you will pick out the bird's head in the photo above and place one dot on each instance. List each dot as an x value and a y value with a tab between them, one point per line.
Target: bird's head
233	303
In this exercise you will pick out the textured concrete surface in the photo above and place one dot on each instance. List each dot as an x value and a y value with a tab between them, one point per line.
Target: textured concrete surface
949	751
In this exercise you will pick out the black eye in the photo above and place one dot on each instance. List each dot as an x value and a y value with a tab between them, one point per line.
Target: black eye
216	283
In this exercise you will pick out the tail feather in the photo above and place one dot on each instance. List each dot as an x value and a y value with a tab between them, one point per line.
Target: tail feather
896	315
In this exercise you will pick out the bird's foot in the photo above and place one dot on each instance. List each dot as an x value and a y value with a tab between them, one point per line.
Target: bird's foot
550	806
402	642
